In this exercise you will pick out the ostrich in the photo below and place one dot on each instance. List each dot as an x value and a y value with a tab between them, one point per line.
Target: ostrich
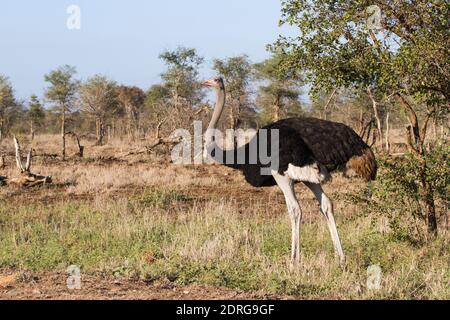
309	150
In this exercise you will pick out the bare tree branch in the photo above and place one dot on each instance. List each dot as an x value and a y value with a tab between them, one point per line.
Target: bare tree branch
330	99
28	163
26	178
18	158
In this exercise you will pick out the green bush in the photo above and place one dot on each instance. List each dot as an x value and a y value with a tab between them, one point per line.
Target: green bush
397	192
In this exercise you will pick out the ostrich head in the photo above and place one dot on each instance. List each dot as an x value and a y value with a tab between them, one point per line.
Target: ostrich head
216	83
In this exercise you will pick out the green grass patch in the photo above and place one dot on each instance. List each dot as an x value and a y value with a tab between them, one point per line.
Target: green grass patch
152	237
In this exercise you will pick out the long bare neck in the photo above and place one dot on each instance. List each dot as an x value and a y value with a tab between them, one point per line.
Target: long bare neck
220	103
210	141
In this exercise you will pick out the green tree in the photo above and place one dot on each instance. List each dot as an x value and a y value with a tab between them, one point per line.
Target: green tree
99	99
62	93
181	77
402	57
36	114
132	99
279	94
156	102
157	97
237	73
8	105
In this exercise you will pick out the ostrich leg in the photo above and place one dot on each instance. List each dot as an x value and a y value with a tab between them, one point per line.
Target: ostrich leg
286	185
326	207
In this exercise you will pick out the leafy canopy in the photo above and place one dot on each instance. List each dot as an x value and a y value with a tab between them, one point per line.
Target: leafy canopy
62	86
337	47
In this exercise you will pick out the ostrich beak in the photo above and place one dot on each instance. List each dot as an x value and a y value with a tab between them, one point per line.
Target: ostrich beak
207	83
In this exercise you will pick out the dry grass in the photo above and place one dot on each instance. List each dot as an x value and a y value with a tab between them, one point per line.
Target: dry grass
142	217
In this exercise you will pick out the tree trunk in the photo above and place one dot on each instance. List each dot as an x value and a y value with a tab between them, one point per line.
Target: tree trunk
113	129
133	127
1	129
377	117
416	140
412	117
31	130
365	131
63	132
77	140
137	123
428	199
97	130
100	132
361	121
130	123
435	129
387	135
232	118
325	108
276	109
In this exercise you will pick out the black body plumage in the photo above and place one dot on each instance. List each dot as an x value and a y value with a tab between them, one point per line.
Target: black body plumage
302	141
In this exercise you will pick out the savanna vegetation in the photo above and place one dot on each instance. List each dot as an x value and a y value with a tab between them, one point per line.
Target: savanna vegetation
117	207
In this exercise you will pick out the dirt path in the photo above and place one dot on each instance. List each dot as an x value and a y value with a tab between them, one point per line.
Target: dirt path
53	286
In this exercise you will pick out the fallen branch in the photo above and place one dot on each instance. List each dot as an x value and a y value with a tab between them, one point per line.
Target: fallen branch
26	178
35	155
148	149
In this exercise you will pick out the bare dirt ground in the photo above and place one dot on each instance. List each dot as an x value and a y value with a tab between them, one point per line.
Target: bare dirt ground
52	286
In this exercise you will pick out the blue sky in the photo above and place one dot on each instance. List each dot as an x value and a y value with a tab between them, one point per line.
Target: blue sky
122	39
